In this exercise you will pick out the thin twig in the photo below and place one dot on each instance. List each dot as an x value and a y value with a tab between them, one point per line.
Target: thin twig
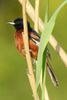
52	40
36	23
28	57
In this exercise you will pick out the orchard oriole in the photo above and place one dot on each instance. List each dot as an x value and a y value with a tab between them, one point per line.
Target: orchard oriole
34	40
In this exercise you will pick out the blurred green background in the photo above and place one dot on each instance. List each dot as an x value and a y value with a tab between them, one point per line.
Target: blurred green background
14	84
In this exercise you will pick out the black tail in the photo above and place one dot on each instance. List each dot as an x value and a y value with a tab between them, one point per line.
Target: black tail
50	71
52	76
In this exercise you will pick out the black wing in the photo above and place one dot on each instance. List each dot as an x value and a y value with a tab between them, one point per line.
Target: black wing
35	37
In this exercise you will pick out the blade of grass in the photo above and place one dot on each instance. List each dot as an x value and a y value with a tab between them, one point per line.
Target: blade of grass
44	56
44	40
43	74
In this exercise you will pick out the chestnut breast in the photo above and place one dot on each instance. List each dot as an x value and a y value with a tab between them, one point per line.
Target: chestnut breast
20	45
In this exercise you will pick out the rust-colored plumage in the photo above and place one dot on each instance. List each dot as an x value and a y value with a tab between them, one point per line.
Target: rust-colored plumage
34	40
20	45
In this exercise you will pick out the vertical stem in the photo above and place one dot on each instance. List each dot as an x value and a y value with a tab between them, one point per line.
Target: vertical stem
36	15
46	96
36	19
26	46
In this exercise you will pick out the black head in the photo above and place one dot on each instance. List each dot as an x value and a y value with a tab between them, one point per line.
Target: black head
18	24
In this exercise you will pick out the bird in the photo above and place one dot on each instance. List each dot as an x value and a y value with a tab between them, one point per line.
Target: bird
34	40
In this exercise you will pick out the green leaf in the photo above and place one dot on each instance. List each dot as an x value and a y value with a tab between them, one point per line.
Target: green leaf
43	85
44	64
44	55
44	73
44	40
